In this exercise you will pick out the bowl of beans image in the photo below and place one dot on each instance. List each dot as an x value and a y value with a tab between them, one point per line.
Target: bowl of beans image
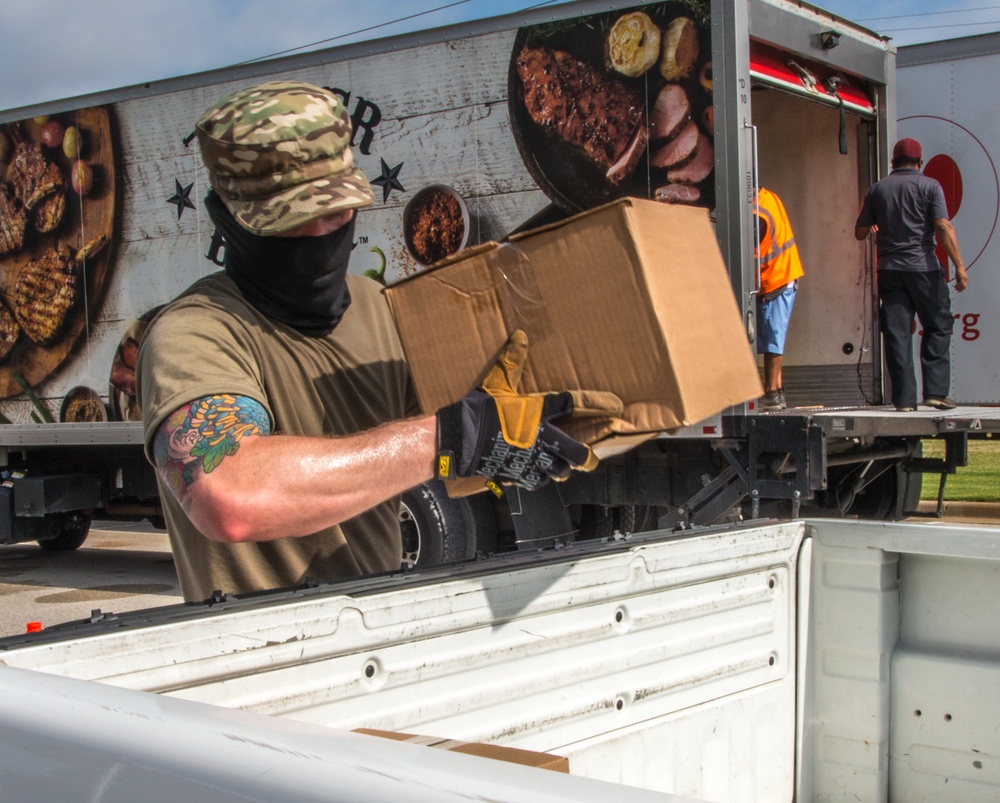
435	223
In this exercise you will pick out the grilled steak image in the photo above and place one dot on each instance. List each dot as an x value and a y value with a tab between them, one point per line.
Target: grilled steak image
585	107
13	221
10	332
39	184
47	290
48	201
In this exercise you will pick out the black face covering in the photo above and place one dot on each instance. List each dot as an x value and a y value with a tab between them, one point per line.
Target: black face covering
300	281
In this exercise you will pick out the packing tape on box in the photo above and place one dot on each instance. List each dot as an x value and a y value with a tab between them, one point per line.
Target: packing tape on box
515	281
509	284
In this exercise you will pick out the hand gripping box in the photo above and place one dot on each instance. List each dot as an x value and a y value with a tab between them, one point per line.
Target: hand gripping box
632	297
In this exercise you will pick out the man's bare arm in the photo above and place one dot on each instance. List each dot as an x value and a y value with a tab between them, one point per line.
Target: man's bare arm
238	482
946	236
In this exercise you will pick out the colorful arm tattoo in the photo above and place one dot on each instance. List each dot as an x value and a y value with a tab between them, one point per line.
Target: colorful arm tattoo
197	437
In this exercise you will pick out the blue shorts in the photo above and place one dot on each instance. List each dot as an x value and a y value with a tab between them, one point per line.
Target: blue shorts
772	320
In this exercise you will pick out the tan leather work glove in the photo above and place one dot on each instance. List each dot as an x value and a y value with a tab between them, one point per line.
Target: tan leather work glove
509	437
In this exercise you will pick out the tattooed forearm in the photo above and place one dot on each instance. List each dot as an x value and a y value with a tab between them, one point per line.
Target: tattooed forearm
196	438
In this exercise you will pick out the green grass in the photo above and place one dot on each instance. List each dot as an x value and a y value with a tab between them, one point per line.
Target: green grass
977	482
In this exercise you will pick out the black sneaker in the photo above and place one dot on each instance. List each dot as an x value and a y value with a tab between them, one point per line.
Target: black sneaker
772	400
940	402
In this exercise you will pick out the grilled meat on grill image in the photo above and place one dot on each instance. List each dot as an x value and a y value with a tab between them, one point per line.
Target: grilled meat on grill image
617	105
586	107
48	289
13	221
39	184
10	332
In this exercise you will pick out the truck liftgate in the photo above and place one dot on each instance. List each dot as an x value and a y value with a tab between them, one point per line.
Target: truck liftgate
855	462
797	456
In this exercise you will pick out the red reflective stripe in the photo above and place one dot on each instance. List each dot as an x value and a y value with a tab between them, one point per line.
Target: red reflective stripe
775	66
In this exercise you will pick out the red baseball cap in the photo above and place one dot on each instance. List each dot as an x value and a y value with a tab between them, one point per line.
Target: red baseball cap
908	150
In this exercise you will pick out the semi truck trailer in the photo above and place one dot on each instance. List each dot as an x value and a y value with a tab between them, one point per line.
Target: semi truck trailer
732	97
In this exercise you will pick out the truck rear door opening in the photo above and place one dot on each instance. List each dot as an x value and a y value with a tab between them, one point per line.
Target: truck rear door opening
813	121
832	350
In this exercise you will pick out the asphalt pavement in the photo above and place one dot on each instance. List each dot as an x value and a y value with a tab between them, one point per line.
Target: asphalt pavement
119	568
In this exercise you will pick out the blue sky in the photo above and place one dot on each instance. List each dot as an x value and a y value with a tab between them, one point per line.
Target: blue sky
55	49
914	21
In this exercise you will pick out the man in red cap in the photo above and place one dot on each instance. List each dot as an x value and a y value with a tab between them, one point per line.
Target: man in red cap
905	210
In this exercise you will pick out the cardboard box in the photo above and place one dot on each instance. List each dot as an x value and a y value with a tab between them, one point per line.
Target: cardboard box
632	297
529	758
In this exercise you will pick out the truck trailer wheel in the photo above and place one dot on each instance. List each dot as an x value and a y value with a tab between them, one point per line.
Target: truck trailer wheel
73	531
438	529
877	500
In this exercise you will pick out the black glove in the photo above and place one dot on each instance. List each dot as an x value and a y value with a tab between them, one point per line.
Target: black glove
496	433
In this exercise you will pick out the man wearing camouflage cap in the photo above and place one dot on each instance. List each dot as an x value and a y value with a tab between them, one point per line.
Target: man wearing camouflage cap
276	400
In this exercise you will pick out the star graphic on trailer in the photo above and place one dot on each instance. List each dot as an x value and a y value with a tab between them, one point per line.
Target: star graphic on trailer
388	181
181	199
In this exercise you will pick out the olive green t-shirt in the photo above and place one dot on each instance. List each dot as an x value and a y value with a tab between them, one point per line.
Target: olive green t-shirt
210	341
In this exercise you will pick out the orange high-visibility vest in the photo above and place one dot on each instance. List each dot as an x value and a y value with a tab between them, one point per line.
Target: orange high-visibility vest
779	261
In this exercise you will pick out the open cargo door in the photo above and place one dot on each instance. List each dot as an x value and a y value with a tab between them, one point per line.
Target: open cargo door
813	132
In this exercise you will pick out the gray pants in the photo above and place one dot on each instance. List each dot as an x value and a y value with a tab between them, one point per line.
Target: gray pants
903	294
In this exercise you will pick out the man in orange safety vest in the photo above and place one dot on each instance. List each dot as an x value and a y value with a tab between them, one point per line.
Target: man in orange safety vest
780	269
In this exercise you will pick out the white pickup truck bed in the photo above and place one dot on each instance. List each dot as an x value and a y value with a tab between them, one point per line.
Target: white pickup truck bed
807	660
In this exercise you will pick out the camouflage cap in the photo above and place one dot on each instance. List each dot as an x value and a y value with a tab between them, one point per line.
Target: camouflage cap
279	155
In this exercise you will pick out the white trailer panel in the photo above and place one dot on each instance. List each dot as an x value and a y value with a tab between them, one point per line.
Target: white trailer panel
946	100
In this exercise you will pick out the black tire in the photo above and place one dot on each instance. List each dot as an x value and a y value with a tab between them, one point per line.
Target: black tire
604	521
73	531
438	529
877	500
881	497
